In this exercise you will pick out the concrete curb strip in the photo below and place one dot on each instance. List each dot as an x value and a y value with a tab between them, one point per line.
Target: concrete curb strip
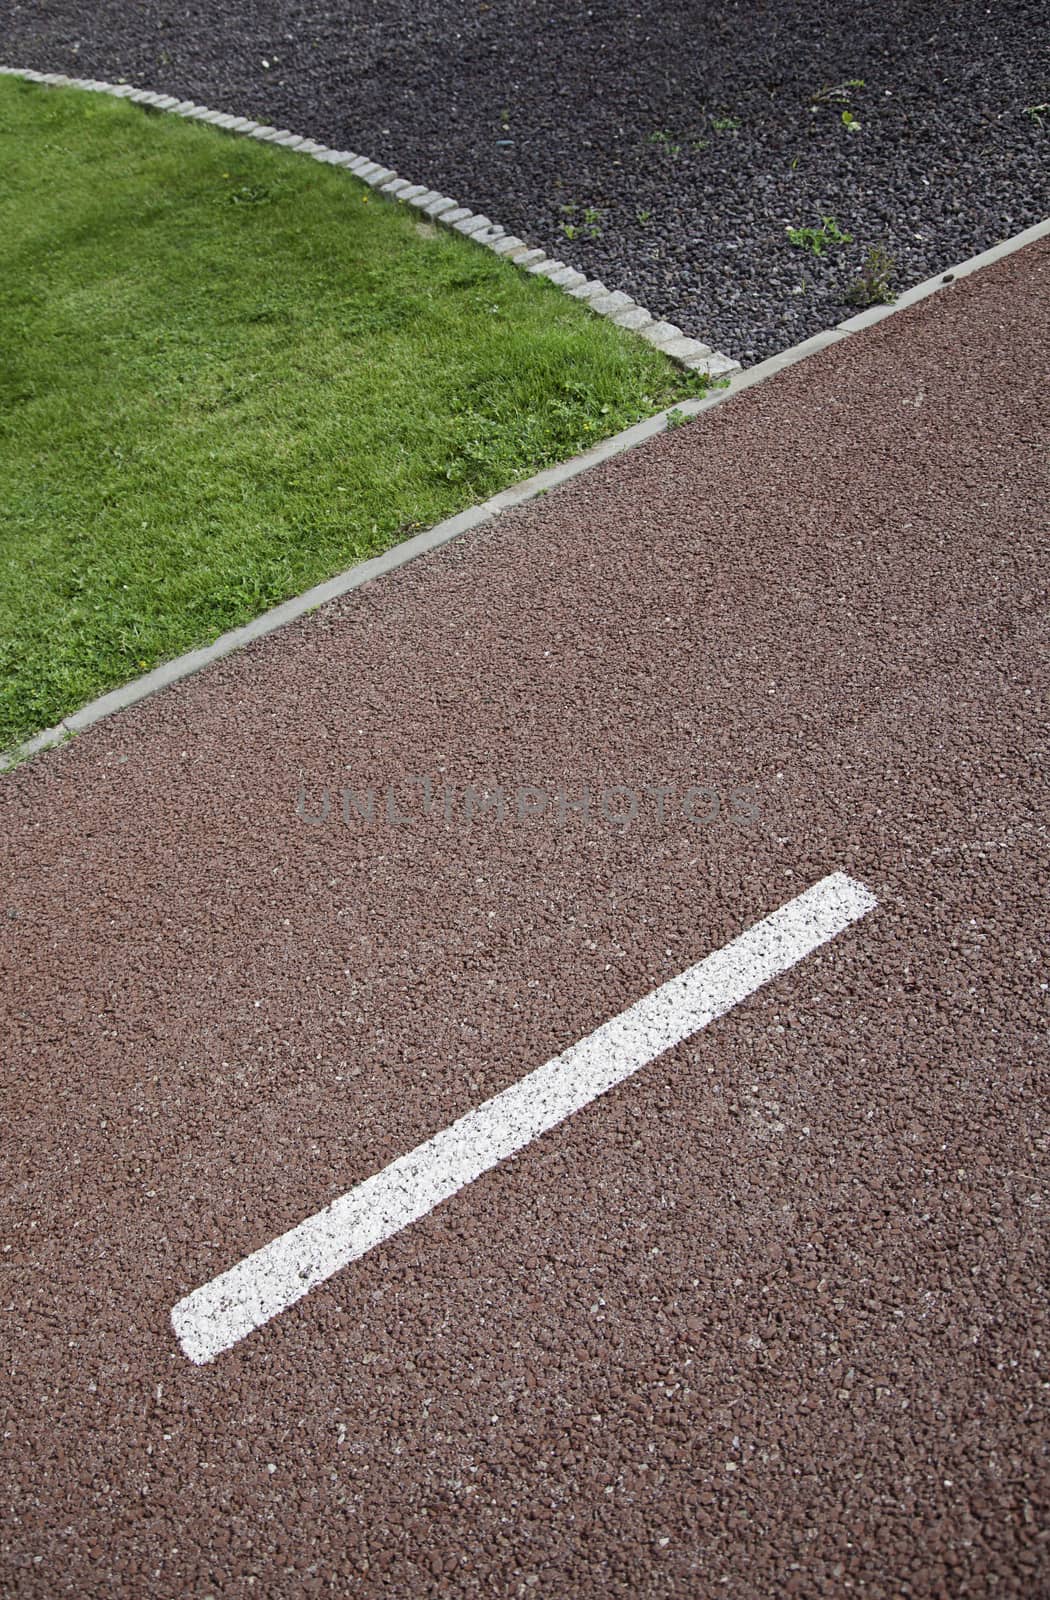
662	334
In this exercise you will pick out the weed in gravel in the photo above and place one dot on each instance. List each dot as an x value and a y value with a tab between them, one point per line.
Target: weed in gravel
872	288
667	140
678	419
816	240
675	143
581	225
1037	113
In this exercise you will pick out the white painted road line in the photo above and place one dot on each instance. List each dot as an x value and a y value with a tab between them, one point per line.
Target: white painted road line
221	1313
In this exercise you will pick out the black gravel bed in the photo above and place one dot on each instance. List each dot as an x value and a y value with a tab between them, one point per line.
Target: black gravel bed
665	150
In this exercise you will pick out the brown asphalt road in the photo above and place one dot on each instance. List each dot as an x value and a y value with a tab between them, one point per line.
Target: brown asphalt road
768	1319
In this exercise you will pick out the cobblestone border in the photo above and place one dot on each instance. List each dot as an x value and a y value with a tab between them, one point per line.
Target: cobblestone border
441	209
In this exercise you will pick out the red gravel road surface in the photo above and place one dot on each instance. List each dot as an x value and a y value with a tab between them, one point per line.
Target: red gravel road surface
768	1318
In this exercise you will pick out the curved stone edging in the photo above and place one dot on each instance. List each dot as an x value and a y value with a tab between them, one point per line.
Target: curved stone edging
618	307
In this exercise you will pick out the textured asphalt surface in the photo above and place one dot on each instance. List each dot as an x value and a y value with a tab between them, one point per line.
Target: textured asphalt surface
679	142
768	1319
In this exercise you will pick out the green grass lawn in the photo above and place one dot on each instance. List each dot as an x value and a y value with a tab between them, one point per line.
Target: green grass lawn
228	372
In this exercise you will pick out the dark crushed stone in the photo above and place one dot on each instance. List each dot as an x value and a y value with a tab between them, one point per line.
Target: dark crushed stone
521	110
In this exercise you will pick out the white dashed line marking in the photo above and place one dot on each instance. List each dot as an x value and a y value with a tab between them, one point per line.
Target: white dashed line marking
222	1312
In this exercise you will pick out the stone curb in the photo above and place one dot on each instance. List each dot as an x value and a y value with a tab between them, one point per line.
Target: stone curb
447	213
399	555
